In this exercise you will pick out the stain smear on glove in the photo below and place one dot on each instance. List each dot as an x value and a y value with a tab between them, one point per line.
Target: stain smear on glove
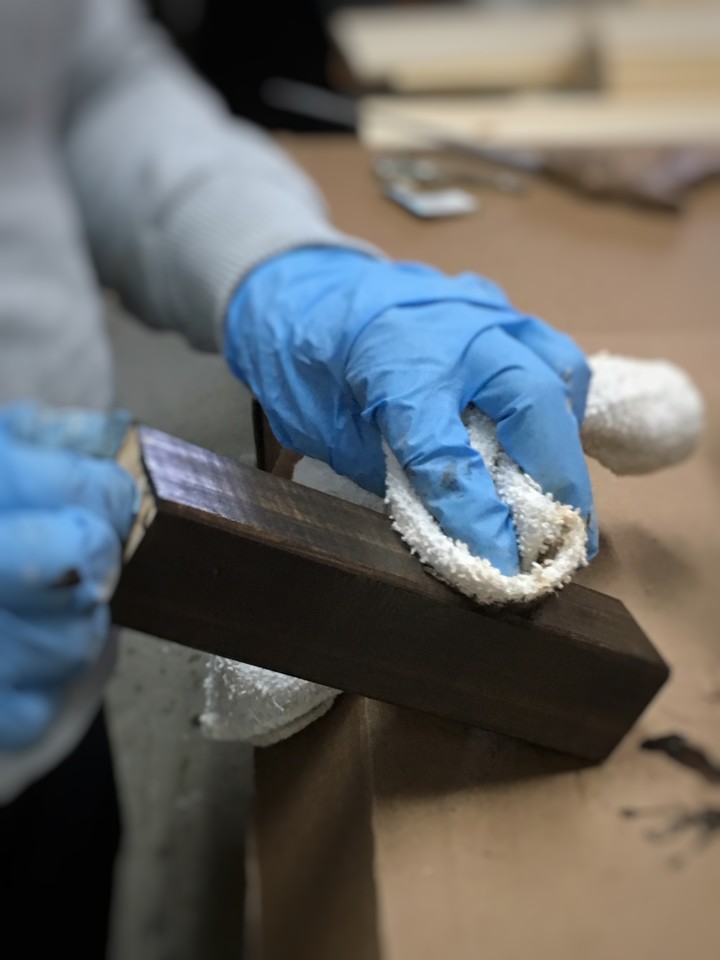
71	578
449	480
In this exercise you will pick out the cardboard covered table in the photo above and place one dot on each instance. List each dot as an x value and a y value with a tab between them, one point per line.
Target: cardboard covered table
385	834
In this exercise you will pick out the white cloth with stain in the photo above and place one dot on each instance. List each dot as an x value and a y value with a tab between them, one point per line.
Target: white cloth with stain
641	416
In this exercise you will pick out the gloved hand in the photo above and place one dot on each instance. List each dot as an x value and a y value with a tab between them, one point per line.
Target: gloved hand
62	516
343	350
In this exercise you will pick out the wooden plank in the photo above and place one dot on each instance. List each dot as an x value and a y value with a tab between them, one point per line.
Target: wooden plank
302	858
458	47
676	49
451	74
267	449
256	568
269	455
540	120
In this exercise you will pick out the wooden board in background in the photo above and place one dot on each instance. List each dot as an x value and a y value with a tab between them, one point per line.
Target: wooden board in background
450	46
672	50
539	120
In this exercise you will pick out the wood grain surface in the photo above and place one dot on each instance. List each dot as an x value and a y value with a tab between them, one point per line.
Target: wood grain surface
256	568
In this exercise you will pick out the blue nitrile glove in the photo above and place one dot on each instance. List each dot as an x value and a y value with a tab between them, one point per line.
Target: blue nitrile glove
342	350
63	514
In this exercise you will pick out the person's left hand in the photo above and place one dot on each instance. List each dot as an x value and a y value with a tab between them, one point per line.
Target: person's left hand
344	350
65	508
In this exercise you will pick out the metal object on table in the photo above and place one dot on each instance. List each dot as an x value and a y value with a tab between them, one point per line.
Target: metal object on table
431	204
424	171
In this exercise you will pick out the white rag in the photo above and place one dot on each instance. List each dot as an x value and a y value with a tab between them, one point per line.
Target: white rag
641	415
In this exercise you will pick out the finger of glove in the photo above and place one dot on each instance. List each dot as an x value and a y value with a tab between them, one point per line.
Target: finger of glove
356	451
56	561
42	652
90	432
334	432
428	438
35	477
26	715
561	354
535	425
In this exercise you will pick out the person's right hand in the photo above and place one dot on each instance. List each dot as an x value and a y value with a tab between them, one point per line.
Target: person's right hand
65	508
345	352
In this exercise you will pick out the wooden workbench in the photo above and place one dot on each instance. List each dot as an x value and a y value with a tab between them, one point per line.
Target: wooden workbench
382	834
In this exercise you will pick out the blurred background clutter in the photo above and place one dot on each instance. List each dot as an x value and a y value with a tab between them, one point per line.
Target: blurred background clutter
617	99
626	48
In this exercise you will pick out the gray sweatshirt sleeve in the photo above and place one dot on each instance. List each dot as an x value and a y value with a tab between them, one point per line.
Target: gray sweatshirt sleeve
179	200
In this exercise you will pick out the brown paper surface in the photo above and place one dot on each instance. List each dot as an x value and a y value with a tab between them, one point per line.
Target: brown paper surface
383	833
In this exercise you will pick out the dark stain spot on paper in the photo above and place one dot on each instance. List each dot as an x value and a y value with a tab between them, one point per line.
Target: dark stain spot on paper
678	748
699	826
